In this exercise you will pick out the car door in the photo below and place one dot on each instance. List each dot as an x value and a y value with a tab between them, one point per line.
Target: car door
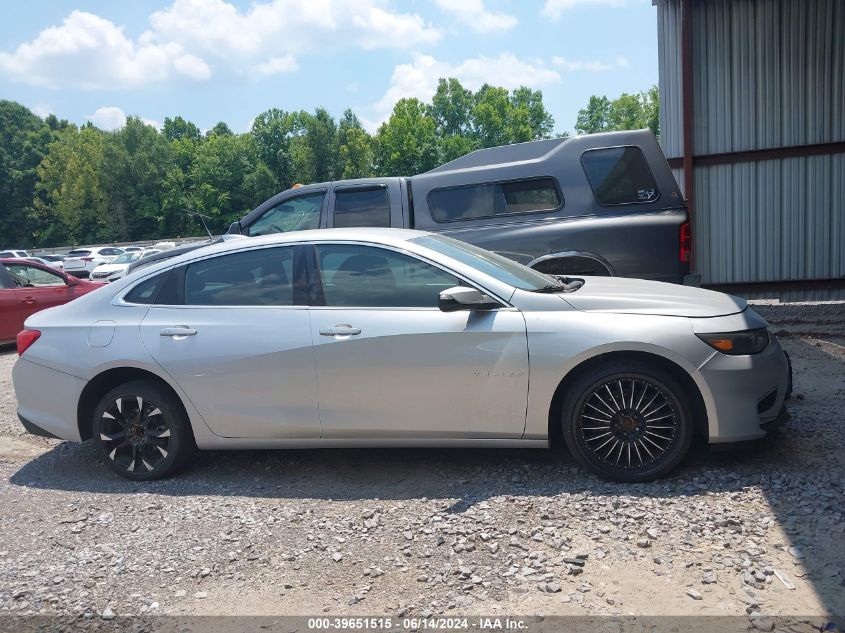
11	310
41	288
390	364
227	329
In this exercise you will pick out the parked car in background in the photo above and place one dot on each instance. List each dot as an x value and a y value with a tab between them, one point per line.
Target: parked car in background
133	249
118	267
599	204
56	261
278	342
13	253
80	262
27	287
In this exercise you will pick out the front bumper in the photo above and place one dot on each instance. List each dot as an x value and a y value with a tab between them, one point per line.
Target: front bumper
746	394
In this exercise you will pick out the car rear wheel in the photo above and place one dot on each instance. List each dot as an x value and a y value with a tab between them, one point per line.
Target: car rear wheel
627	421
142	431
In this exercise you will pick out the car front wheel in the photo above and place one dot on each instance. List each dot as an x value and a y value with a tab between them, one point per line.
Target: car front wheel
627	421
142	431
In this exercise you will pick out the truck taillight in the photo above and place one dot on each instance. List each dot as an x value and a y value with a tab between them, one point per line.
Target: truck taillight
685	250
26	338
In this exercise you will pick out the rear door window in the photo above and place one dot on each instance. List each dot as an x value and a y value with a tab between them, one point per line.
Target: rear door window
474	202
262	277
619	175
361	206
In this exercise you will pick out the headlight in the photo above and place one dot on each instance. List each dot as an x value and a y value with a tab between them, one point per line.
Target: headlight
738	343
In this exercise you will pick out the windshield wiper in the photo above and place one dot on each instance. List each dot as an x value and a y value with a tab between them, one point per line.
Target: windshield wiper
567	284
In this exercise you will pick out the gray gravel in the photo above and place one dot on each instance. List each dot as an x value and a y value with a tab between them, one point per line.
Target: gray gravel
757	532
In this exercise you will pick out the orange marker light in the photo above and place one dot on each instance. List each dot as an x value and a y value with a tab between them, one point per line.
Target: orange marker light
722	344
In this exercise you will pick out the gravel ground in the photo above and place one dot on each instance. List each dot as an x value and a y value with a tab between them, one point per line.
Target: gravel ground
757	532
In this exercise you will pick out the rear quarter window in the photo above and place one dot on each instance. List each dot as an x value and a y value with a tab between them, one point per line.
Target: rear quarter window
489	200
619	175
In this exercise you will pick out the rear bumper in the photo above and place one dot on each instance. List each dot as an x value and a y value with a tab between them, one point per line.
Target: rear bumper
34	429
47	400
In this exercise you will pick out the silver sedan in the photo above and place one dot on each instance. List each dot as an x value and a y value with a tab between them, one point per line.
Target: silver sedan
384	337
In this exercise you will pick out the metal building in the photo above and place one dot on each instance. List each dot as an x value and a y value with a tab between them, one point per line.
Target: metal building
752	118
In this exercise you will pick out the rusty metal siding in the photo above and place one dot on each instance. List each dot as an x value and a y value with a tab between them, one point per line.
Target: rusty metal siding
768	74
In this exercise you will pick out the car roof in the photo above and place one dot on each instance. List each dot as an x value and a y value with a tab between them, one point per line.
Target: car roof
384	236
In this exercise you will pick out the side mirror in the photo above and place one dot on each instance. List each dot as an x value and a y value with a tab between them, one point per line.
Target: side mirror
461	298
234	228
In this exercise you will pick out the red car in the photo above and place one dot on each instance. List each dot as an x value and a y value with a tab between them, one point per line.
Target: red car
27	287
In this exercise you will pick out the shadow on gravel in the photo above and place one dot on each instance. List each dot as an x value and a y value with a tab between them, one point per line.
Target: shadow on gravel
800	470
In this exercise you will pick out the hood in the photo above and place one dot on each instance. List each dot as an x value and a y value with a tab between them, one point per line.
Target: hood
637	296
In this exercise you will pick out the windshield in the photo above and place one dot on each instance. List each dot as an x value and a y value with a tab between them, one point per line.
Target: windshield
126	258
496	266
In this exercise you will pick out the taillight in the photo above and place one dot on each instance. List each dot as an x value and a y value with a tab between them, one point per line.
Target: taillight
685	251
87	259
27	338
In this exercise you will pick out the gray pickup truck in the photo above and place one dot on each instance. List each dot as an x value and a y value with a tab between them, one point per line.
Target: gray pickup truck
599	204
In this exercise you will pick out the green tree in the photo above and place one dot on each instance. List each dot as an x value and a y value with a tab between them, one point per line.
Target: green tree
24	141
354	147
178	127
272	131
626	112
595	117
407	143
70	206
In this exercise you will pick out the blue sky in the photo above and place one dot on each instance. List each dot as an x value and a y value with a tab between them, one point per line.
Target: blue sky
213	60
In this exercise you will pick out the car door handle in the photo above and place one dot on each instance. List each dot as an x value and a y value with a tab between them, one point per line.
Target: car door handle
178	331
342	329
28	300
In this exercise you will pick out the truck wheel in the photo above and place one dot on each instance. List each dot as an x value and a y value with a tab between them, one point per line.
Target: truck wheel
627	421
142	431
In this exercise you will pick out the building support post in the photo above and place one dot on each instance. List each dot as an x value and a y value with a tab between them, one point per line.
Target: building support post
688	112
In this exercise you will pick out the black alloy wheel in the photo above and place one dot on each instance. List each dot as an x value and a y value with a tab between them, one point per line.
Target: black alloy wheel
141	432
628	422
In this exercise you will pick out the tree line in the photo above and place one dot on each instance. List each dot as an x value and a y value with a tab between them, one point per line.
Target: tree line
62	184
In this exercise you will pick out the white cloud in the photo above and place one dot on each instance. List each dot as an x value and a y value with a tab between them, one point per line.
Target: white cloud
588	65
108	118
419	78
189	37
277	65
42	109
472	13
89	52
555	8
278	27
192	67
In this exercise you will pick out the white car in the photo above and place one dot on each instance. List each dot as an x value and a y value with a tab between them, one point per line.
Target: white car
82	261
53	261
14	254
118	268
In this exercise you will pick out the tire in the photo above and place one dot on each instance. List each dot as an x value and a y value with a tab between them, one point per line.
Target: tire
627	421
155	444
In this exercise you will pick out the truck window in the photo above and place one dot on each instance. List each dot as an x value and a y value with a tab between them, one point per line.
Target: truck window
472	202
361	206
619	175
294	214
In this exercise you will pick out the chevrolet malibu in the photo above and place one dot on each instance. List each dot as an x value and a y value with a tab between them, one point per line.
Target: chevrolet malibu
385	337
